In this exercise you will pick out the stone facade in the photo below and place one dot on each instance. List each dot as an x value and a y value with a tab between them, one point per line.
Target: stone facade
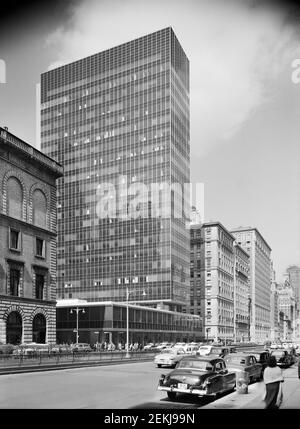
27	242
259	251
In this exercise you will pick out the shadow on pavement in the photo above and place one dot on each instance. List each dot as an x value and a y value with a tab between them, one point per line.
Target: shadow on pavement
183	401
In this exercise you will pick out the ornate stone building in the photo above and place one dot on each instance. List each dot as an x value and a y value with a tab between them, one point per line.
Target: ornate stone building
27	242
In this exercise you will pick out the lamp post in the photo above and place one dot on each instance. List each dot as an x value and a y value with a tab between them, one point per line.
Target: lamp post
249	317
77	309
127	324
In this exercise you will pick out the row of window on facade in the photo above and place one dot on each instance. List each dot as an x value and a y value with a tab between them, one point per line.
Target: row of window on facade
15	243
15	281
15	203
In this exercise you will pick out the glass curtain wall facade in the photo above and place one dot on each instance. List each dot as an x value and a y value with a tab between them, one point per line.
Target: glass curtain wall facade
121	117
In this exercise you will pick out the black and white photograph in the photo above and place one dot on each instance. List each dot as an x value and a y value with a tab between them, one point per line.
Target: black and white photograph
150	208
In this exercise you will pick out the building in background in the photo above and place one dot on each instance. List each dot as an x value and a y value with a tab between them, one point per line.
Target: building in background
259	280
107	321
241	294
212	279
287	305
118	121
294	278
274	308
27	242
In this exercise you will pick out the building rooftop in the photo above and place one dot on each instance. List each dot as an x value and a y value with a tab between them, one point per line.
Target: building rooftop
28	151
249	228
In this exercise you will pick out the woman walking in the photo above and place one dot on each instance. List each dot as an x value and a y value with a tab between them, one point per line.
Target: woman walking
273	379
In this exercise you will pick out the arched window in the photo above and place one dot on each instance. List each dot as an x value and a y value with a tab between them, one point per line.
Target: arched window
39	329
14	328
14	198
39	209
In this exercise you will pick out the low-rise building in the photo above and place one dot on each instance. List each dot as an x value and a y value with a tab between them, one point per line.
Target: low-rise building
27	242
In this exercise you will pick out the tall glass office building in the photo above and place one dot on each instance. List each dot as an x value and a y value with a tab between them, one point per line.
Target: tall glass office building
118	121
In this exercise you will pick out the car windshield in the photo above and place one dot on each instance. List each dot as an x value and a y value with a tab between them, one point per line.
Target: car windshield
195	364
236	359
277	353
205	348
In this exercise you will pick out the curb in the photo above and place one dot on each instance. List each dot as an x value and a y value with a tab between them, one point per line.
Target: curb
236	400
42	368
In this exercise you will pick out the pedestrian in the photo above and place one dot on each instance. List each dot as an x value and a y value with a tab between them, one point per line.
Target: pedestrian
273	379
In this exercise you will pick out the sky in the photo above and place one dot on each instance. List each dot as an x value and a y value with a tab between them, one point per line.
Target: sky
244	104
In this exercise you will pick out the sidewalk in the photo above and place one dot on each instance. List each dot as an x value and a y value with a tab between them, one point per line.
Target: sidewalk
252	399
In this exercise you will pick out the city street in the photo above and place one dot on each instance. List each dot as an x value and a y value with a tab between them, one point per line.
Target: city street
119	386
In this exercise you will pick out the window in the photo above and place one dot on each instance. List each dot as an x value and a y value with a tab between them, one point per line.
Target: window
40	248
39	209
14	240
14	277
14	198
39	286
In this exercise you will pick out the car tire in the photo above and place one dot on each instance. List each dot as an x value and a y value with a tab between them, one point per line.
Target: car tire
172	395
158	365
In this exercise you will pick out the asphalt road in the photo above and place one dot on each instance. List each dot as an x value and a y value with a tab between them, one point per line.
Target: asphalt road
122	386
108	387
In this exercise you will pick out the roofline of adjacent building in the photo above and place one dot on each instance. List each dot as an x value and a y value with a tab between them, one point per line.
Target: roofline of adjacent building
31	152
249	228
218	223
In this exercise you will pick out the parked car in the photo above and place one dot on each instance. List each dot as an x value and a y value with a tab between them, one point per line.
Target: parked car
168	357
31	349
283	358
204	350
149	346
262	356
200	376
60	349
219	351
190	350
179	345
81	347
164	345
244	361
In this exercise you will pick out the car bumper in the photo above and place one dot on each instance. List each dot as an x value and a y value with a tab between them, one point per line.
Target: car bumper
198	392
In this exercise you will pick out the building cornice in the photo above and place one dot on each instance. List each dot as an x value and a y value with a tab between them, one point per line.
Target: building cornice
27	151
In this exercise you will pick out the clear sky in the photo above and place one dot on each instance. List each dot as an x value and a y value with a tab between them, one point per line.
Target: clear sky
245	109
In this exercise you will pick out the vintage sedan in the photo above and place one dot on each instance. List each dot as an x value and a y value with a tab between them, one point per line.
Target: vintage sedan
200	376
168	357
262	356
244	361
283	358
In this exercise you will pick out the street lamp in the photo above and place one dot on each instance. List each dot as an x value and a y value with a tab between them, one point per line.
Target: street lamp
77	309
127	356
249	317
